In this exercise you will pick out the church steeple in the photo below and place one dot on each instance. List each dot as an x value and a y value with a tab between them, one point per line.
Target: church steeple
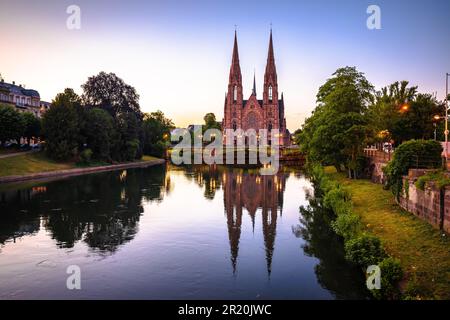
270	76
235	70
235	81
254	84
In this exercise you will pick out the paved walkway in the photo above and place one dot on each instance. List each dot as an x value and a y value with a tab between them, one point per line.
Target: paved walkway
79	171
15	154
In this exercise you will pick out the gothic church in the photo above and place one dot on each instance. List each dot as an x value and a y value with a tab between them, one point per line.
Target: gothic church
252	113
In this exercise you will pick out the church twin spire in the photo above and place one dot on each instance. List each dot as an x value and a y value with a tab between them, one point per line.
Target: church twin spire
270	76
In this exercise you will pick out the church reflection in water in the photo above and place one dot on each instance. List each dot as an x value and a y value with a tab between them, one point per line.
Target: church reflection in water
246	192
254	193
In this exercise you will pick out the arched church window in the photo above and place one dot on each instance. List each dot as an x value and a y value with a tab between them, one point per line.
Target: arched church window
252	121
270	93
234	125
270	126
235	94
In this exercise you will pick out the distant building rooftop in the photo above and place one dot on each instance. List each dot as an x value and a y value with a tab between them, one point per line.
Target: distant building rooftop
19	90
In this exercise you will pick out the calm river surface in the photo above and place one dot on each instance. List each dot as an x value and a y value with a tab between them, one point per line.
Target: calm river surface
172	233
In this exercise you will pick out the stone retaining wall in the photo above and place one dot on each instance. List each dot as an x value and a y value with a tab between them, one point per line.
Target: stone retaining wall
430	204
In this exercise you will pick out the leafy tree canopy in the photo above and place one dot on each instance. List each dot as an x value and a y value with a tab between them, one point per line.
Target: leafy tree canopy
337	131
108	91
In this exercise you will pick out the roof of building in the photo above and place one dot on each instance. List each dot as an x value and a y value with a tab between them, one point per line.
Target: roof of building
15	89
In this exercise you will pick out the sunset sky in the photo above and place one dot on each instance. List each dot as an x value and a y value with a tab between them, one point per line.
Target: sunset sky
177	54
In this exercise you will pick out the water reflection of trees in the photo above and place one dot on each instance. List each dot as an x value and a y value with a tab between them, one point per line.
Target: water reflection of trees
103	210
333	272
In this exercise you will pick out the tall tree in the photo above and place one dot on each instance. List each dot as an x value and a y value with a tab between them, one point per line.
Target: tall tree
61	127
156	130
32	126
11	124
336	132
109	92
99	132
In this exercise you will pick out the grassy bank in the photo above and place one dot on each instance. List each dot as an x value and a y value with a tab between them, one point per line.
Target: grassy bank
38	162
423	251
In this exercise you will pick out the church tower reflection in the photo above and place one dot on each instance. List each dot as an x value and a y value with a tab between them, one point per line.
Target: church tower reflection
255	193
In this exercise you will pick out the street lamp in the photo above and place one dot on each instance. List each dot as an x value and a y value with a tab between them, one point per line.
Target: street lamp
436	118
404	107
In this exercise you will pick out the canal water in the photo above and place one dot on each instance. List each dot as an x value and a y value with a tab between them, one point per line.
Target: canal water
172	233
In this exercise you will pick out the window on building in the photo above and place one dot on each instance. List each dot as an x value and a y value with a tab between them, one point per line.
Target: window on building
270	127
235	94
270	93
234	125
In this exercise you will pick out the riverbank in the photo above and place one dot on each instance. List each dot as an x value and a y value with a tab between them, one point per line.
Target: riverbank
36	166
424	252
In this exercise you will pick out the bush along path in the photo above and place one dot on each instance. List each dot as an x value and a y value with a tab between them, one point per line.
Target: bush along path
423	252
361	247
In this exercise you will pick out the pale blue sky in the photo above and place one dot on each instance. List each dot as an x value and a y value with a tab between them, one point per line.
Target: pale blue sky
177	53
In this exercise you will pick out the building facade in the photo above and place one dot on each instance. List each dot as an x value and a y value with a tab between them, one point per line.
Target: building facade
25	100
253	113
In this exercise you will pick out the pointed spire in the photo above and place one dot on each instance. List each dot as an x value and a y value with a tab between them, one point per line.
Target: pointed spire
254	83
270	67
235	71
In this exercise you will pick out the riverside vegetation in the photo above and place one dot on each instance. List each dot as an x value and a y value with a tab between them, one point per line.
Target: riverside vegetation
361	248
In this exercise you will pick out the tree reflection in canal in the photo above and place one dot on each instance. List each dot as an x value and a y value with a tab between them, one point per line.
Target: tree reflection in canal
321	242
104	213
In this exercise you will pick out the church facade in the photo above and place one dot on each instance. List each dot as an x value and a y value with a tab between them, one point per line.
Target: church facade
253	113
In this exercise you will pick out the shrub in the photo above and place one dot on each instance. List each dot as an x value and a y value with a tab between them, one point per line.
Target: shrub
157	149
86	156
347	225
335	196
411	154
364	250
391	274
439	177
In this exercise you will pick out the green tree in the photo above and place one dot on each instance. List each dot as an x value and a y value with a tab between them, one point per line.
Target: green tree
12	124
32	126
401	113
337	131
210	122
125	141
60	126
156	131
99	132
109	92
